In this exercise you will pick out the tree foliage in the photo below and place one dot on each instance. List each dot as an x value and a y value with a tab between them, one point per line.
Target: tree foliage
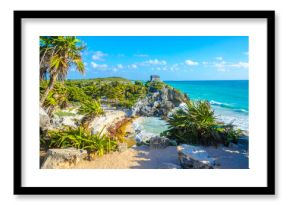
58	54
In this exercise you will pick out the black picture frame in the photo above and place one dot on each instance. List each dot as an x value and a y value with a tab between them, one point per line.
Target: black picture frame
268	190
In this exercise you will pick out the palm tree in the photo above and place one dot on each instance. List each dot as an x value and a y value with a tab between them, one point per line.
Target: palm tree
65	52
47	49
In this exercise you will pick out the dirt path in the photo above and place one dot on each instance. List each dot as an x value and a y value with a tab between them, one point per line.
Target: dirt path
135	158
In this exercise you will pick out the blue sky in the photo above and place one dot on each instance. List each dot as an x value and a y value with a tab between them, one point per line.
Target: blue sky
171	57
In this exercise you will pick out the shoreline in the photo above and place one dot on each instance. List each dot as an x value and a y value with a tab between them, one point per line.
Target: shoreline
136	130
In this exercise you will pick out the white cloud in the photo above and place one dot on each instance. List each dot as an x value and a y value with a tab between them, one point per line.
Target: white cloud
99	55
240	65
219	58
99	66
220	64
141	55
154	62
94	65
225	66
191	63
134	66
115	69
120	66
174	67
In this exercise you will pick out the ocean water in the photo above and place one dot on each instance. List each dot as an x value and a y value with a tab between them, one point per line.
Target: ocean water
148	127
229	98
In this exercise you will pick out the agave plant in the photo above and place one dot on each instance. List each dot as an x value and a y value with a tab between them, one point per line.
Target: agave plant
80	138
193	124
196	124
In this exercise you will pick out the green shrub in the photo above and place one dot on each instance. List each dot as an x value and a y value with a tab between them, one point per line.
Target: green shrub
81	139
90	109
126	103
138	82
229	133
57	97
76	94
114	91
154	86
196	124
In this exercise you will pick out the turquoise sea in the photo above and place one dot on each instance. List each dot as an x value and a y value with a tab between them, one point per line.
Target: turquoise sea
229	98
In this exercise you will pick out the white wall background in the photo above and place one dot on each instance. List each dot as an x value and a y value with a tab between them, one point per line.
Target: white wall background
282	98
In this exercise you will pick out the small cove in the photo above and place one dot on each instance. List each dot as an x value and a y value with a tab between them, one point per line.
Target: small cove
147	127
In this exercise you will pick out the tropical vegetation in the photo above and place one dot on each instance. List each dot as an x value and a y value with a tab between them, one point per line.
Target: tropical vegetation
80	138
57	55
90	109
195	123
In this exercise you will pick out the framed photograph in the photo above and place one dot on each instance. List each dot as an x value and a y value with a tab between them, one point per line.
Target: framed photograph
144	102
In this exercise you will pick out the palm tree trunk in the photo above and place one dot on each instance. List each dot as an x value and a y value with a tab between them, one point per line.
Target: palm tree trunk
49	87
41	60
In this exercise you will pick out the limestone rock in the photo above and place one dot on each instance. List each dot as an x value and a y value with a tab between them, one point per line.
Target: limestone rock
159	142
143	139
194	157
63	158
44	119
101	123
159	103
56	121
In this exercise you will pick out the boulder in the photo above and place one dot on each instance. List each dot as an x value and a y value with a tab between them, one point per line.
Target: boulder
159	142
142	138
44	119
194	157
70	121
63	158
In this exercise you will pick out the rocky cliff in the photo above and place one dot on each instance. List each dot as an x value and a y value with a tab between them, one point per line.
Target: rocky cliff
159	103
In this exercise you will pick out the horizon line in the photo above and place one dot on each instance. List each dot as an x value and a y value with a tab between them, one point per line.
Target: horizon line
161	80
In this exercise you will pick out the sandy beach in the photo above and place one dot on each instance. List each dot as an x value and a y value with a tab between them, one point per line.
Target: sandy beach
134	158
